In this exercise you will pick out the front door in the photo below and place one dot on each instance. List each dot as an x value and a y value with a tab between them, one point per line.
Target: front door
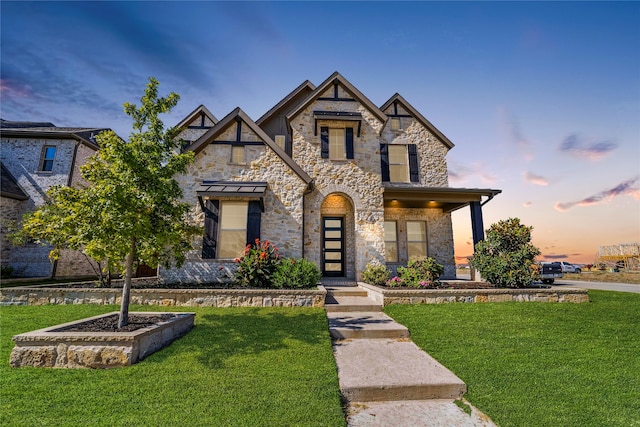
333	246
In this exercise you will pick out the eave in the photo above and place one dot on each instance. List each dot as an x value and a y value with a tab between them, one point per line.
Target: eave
445	198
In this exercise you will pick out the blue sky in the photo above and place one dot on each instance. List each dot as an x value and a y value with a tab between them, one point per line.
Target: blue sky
542	99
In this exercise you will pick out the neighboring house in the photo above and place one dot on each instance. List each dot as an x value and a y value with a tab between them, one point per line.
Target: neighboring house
35	157
325	175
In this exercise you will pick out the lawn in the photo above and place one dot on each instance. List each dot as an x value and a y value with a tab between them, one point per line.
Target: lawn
237	367
539	364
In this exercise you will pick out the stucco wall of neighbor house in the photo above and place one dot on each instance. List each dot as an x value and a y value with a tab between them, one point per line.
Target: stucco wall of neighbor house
431	151
281	222
439	236
357	178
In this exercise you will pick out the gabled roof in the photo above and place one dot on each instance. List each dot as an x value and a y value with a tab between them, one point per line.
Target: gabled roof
338	78
201	109
9	186
86	136
419	117
306	86
232	117
16	125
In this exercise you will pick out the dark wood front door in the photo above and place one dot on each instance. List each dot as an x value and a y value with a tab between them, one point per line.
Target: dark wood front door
333	246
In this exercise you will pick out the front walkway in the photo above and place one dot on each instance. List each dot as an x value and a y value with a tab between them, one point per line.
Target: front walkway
386	379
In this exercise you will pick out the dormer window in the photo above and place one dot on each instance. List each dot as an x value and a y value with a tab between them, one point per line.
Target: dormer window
336	143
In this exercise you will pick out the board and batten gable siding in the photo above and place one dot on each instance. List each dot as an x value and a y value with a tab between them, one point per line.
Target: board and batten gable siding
358	178
281	221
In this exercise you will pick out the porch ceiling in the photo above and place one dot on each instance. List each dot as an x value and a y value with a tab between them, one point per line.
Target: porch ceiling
445	198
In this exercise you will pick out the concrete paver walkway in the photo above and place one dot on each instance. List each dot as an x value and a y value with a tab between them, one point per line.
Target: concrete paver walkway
387	379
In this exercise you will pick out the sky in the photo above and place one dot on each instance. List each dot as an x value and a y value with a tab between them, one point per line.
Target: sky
541	99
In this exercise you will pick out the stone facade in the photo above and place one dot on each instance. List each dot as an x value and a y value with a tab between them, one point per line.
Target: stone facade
354	189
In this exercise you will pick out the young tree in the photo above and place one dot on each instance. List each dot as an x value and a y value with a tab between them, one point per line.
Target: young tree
505	258
131	209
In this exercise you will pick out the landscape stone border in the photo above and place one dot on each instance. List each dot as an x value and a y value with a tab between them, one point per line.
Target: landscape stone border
441	296
41	295
52	348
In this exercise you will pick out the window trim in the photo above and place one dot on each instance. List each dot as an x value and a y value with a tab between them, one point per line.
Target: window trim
425	241
405	164
233	161
386	242
44	159
221	229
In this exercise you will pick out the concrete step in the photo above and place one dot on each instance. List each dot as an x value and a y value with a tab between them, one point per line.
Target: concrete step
359	325
345	303
344	291
371	370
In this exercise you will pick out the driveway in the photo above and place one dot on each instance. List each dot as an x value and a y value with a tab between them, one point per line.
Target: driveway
602	286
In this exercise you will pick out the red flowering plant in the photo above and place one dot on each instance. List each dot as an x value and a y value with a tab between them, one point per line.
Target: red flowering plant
257	265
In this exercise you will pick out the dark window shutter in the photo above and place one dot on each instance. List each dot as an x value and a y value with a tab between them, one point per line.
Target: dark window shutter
348	137
324	142
384	162
288	146
414	170
253	221
211	212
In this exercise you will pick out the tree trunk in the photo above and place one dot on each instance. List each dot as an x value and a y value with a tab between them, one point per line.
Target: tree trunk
123	320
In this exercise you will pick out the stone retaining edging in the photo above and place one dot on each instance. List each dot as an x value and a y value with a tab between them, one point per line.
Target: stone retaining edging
440	296
167	297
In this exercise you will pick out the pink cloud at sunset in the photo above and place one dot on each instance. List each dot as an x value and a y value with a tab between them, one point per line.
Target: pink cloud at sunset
535	179
578	147
624	188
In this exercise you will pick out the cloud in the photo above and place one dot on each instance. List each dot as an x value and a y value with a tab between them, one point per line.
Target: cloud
511	127
527	204
627	187
553	256
578	147
459	173
536	179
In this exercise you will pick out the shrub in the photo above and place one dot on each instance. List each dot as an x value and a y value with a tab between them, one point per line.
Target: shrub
296	273
506	256
376	274
6	271
421	273
256	267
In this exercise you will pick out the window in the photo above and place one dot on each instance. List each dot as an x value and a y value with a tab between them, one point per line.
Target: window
416	239
398	163
336	143
233	229
337	149
280	139
395	123
237	154
390	241
48	155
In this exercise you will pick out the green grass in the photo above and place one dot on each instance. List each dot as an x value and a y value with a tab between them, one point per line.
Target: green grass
237	367
539	364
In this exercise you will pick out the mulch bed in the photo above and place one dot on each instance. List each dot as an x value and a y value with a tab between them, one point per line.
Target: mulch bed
110	323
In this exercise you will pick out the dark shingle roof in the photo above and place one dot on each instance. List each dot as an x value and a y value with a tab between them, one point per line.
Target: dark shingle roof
9	187
21	125
49	130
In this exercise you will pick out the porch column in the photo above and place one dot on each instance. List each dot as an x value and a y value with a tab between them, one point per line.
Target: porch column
477	225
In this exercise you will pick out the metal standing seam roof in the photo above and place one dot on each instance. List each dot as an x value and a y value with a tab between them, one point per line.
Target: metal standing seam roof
230	188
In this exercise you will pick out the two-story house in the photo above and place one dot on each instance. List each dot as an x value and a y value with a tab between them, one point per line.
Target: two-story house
324	175
34	157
